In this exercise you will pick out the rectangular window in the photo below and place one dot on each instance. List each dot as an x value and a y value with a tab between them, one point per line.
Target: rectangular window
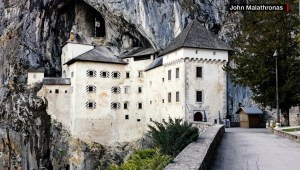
177	96
56	91
126	116
90	105
103	74
140	105
163	79
199	96
199	72
140	90
140	74
72	74
163	100
169	97
91	73
177	73
125	105
169	74
127	75
115	105
127	89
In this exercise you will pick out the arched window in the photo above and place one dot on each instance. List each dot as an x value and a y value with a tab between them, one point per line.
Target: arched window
198	117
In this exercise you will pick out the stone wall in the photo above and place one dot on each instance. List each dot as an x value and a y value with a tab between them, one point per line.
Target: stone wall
198	155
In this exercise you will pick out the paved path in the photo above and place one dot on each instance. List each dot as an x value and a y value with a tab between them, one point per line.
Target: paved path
256	149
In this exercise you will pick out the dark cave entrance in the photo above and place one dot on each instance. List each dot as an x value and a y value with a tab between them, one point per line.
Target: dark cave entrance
88	20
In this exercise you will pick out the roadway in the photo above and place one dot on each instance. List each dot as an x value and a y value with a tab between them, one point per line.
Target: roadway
256	149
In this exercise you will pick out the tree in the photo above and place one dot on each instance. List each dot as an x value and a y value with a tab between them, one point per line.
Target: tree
253	63
173	136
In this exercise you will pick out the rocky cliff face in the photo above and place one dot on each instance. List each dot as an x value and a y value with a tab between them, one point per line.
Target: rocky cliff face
32	33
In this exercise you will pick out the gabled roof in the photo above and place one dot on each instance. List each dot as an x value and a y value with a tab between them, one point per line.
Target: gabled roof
156	63
250	110
98	54
195	35
140	52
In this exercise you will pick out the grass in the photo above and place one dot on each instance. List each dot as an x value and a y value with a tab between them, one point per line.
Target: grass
291	130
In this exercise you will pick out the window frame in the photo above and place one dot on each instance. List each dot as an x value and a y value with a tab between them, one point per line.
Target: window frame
197	101
169	97
177	73
140	105
169	75
201	73
177	96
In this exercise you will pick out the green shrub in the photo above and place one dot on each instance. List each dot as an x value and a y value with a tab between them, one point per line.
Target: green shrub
150	159
173	136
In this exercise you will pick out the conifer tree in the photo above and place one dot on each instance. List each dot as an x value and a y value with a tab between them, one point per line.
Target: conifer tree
254	64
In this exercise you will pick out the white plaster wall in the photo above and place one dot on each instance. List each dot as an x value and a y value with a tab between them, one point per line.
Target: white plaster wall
213	85
58	105
194	53
34	77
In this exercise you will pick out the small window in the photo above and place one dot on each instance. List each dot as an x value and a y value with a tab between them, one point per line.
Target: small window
140	90
163	100
138	120
199	72
115	105
115	90
34	76
150	102
169	74
163	79
127	75
126	105
150	119
91	89
140	105
126	116
177	96
150	83
115	74
50	91
196	52
91	73
177	73
56	91
140	74
126	89
104	74
66	91
169	97
72	74
199	96
90	105
127	60
214	53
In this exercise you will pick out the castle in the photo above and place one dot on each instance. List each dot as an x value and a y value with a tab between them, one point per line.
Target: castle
106	98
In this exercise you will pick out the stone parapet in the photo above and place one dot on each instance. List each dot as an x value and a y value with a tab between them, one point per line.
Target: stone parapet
286	134
198	155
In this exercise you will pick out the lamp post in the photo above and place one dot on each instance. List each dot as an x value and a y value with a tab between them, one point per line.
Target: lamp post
277	98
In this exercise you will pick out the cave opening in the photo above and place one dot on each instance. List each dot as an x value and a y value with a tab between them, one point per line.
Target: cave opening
89	21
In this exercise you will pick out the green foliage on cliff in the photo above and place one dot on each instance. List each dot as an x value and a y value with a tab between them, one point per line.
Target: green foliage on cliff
263	33
173	136
143	160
